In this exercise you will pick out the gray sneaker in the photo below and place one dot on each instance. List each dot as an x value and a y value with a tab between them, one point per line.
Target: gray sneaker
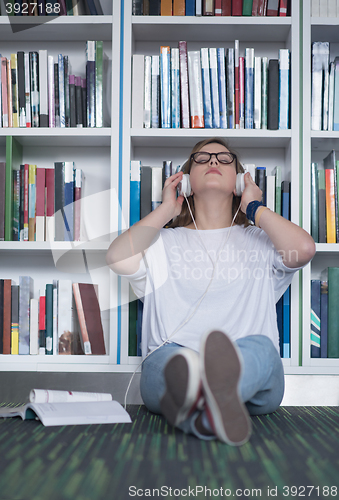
183	394
220	368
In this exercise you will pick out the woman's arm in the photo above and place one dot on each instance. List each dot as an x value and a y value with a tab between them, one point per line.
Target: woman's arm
294	244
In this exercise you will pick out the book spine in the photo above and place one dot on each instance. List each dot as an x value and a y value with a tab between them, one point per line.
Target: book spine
277	173
315	319
7	296
249	87
67	94
320	54
236	83
283	8
314	202
2	199
322	206
34	306
286	323
156	187
9	93
208	7
84	101
330	206
165	85
147	92
72	101
0	95
195	89
50	204
333	310
336	95
185	112
214	87
69	201
155	107
145	191
21	89
331	96
15	320
78	98
51	93
134	192
272	7
206	86
230	88
90	81
31	202
16	206
241	92
5	122
27	90
26	202
190	8
25	295
284	88
65	312
323	318
56	95
175	88
99	61
273	95
264	92
237	7
40	204
34	71
43	88
49	319
138	70
178	7
15	96
257	92
77	204
61	78
59	200
222	87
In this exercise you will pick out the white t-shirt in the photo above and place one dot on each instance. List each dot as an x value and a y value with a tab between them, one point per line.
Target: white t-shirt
249	279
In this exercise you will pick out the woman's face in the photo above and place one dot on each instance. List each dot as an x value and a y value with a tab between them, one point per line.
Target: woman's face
213	176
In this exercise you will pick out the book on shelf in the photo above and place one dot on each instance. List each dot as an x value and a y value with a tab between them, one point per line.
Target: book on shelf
324	8
55	408
324	200
45	204
212	7
62	318
39	90
219	88
324	314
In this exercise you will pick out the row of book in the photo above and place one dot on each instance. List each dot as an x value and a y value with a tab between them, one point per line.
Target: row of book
211	7
52	8
324	315
325	8
36	91
64	319
46	203
211	88
325	88
324	200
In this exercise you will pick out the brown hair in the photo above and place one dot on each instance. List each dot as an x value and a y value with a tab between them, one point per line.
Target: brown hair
184	218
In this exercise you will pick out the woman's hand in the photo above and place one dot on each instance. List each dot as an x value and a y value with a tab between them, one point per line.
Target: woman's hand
169	195
251	192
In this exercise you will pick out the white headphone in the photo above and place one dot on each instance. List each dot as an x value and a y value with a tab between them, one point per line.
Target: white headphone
184	186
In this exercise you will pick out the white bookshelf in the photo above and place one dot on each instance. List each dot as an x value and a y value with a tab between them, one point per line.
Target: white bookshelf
316	145
145	35
96	151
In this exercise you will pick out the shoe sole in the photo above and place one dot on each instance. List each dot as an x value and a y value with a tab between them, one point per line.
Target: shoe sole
220	372
176	403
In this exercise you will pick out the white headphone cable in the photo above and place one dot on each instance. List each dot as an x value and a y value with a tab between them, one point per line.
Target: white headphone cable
214	266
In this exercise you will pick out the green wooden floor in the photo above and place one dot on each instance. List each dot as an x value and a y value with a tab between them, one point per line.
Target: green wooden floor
294	447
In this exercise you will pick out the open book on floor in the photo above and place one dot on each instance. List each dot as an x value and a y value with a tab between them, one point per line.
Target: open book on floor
67	408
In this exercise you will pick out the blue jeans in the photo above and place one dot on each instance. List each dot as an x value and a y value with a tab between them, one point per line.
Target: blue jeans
261	383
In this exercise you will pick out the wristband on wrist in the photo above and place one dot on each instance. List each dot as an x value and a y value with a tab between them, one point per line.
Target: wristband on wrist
251	210
258	214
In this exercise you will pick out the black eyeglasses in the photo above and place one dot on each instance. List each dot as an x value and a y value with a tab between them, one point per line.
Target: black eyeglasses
222	157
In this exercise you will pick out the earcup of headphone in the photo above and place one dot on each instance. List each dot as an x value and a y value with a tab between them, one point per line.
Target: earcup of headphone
184	186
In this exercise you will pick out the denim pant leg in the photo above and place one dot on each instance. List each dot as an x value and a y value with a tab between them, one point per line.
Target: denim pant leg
262	381
152	381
